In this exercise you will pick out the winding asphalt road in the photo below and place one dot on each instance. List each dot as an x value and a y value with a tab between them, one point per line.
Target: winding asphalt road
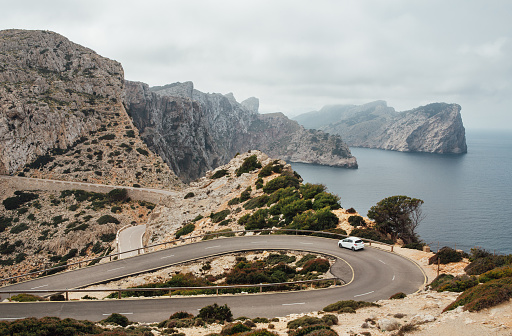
130	239
371	274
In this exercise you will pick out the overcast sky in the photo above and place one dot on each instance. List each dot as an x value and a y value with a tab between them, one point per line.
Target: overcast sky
297	56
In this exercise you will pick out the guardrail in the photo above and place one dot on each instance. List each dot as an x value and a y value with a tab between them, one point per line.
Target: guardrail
114	256
170	289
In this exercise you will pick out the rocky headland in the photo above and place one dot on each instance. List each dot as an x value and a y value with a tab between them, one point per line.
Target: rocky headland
195	131
433	128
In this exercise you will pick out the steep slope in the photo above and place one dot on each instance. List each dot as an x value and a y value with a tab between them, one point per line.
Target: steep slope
195	132
434	128
62	117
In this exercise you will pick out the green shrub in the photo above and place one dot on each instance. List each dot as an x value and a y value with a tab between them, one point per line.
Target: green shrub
107	237
330	319
189	195
107	219
234	201
142	151
354	305
258	220
266	171
215	312
315	220
250	163
356	221
445	255
12	203
5	222
414	246
497	273
198	217
185	230
449	283
130	134
220	233
324	199
309	190
219	173
56	220
73	207
256	202
107	137
49	326
304	321
57	297
19	228
26	298
283	181
397	296
181	315
486	295
117	195
275	258
234	328
219	216
116	209
118	319
260	320
316	265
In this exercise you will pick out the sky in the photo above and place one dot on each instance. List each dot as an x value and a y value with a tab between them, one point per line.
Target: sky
297	56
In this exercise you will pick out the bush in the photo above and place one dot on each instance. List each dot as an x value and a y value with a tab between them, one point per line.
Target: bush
116	209
398	296
316	265
49	326
130	134
215	312
315	220
257	202
12	203
449	283
234	201
304	321
415	246
356	221
219	216
314	330
283	181
198	217
19	228
142	151
324	199
107	237
185	230
181	315
354	305
485	295
26	298
5	222
117	195
118	319
219	173
107	137
57	297
234	328
189	195
107	219
266	171
250	163
445	255
497	273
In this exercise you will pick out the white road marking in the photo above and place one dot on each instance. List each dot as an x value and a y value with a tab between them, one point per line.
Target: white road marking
206	248
307	243
39	287
364	294
169	256
258	242
118	313
382	262
114	269
292	304
393	278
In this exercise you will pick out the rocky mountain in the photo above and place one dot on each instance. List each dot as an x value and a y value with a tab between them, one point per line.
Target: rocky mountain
62	116
195	132
434	128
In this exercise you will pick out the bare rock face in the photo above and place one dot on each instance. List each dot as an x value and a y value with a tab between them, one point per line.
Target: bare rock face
434	128
51	93
195	132
62	115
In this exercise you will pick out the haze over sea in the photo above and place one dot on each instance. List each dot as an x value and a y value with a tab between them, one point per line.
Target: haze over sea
468	198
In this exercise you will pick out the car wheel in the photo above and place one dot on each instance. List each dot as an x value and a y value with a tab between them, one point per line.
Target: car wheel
339	245
353	249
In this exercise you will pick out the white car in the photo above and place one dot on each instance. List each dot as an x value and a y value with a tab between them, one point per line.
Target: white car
352	243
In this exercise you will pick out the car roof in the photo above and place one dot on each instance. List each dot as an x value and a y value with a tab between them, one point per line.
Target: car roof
352	237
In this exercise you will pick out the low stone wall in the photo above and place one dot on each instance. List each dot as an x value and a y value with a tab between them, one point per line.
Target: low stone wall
140	194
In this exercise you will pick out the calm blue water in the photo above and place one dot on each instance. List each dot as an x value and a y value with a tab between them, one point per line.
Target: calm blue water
468	198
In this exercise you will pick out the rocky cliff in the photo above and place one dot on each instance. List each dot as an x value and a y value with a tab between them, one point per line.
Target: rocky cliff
434	128
195	132
62	117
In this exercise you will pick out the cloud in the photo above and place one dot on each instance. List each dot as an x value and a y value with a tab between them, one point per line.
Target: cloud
297	56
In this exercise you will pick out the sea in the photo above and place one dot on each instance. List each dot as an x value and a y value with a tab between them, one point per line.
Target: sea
468	197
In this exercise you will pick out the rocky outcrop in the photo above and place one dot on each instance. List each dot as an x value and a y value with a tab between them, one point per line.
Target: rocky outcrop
195	132
62	116
434	128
